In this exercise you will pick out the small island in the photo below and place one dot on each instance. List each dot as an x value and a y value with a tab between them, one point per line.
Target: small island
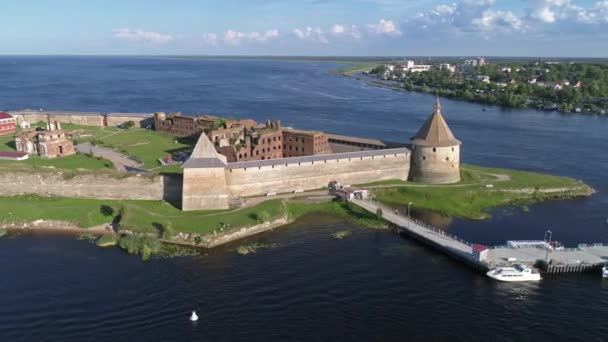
150	182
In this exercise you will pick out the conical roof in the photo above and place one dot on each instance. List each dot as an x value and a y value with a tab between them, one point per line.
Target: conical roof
205	155
435	132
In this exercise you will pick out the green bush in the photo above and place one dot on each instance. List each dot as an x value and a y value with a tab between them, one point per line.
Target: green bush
107	240
262	216
142	245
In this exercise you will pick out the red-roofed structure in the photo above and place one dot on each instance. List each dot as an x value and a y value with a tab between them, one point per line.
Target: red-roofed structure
8	124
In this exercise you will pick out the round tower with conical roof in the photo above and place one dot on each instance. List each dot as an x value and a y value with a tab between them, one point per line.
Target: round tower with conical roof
435	152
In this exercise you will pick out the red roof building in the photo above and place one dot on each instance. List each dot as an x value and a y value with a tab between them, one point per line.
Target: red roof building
8	124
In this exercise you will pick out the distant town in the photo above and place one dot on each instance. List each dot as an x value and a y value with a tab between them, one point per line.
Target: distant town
544	85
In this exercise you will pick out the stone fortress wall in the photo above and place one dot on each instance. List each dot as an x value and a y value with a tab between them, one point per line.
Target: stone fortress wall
286	175
84	118
94	186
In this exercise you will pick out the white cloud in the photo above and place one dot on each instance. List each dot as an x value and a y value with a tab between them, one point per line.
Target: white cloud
384	27
232	37
210	39
139	35
492	20
340	30
313	34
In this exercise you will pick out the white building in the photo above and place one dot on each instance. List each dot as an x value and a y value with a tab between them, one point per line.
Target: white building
483	78
448	67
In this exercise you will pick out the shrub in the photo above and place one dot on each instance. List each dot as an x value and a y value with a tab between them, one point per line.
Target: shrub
262	216
142	245
106	210
129	124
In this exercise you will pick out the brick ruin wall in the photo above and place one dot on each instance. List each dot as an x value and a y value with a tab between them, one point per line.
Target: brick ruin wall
91	186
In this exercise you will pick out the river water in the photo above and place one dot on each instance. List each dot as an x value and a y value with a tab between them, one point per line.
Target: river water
309	286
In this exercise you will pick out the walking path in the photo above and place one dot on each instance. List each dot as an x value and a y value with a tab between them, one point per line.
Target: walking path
120	161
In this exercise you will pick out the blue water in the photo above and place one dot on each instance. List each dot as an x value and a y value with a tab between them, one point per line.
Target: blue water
374	286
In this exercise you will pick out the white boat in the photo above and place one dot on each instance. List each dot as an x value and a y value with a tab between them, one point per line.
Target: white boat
194	316
605	272
515	273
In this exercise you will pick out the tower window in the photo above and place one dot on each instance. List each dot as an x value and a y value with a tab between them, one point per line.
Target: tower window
434	149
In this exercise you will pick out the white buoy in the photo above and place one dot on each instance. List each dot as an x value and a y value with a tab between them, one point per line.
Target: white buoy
194	316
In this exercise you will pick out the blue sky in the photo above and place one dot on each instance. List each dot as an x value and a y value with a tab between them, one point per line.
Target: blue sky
306	27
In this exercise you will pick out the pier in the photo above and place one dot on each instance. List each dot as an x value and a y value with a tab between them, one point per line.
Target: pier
584	257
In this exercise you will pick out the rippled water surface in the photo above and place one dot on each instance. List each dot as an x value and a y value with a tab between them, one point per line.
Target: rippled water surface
371	286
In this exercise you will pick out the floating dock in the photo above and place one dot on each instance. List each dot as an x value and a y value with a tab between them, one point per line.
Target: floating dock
584	257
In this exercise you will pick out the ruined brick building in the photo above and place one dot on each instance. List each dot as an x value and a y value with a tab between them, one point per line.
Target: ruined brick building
50	143
245	139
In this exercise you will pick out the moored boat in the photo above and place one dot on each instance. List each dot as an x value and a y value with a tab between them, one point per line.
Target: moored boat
514	273
605	272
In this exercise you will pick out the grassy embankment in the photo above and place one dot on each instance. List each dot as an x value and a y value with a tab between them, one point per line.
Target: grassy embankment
355	67
473	196
144	145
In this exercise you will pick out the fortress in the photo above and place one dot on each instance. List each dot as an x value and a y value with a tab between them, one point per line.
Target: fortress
239	158
211	182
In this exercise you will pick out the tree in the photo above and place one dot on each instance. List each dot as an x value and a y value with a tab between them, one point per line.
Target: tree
106	210
262	216
129	124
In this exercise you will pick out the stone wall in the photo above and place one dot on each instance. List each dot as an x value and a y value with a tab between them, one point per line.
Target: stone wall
91	186
281	177
85	118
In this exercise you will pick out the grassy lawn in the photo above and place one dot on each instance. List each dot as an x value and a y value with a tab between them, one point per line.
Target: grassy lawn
150	216
146	216
352	213
85	213
76	161
73	162
146	145
472	199
139	216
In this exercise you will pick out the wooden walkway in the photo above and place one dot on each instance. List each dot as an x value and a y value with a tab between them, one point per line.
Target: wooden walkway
584	257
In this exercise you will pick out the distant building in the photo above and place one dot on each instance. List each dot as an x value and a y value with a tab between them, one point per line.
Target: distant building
411	66
479	61
8	124
49	143
448	67
483	78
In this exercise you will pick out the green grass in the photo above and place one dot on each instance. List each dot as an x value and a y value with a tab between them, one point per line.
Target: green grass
73	162
471	198
352	213
146	145
84	213
149	216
